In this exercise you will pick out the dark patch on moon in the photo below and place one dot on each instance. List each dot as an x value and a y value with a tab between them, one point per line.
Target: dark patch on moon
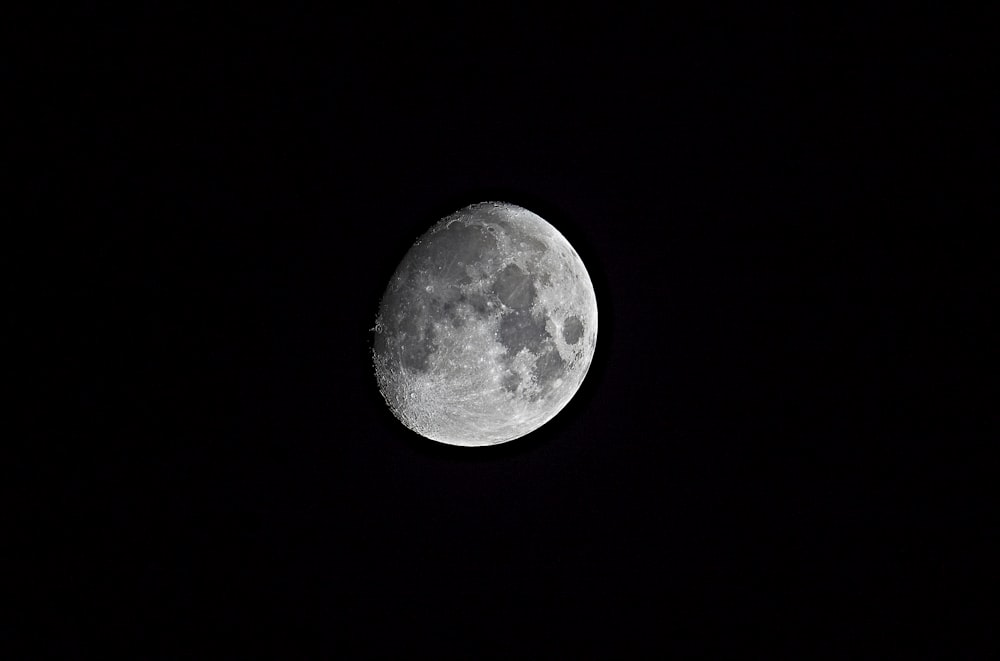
503	224
519	329
529	243
449	250
436	305
416	348
549	367
510	381
531	248
461	307
405	328
477	302
572	330
452	311
514	287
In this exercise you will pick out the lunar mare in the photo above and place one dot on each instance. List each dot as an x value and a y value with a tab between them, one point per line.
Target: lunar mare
486	329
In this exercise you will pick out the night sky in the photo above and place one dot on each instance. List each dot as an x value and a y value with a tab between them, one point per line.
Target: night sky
778	445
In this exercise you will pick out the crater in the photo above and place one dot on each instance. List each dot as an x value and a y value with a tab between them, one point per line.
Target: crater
520	330
572	330
514	287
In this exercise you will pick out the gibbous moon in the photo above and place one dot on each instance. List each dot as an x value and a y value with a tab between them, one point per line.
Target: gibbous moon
487	328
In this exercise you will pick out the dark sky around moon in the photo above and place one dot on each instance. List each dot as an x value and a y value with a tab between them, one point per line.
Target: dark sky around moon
749	196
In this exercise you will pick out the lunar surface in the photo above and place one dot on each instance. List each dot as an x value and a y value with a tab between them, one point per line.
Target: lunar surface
487	328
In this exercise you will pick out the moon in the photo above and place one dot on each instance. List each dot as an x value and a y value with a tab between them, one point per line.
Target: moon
486	329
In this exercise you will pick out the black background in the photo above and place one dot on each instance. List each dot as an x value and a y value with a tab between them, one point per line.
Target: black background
778	443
